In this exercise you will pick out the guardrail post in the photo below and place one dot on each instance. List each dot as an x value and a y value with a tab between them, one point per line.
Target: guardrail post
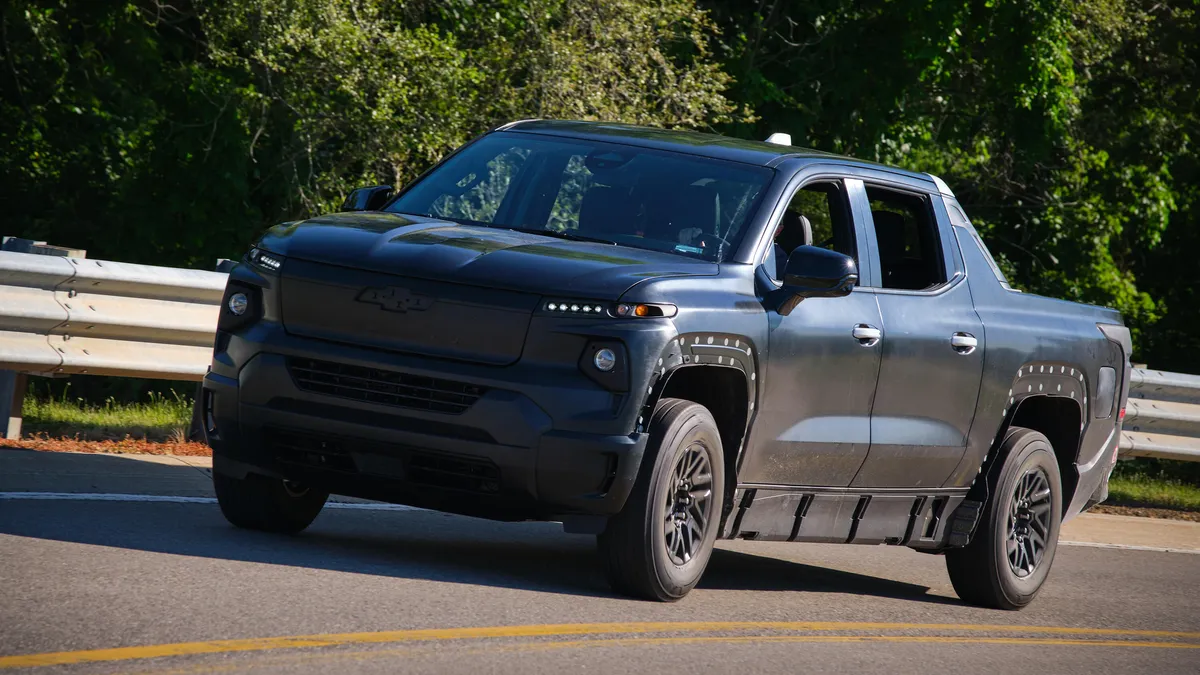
12	400
13	384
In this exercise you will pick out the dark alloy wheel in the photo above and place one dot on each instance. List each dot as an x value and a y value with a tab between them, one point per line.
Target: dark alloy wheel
659	544
1028	522
270	504
1012	550
689	507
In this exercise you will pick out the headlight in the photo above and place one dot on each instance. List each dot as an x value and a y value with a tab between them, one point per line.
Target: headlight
604	360
238	304
265	260
241	307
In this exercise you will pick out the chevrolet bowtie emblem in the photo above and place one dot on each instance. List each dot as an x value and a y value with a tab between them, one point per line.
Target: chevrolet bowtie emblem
395	299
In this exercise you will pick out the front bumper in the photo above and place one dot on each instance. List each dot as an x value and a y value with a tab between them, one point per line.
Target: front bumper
535	445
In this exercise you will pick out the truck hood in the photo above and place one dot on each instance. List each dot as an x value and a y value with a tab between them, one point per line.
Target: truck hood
439	250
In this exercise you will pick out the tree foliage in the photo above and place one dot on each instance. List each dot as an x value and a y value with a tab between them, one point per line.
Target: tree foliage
174	133
1036	112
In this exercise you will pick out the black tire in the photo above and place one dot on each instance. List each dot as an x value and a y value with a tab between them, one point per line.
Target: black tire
990	571
651	549
269	504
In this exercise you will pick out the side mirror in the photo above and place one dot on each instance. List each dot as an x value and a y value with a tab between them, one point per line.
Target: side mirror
819	273
367	199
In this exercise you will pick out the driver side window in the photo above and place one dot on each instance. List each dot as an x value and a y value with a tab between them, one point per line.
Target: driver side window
818	214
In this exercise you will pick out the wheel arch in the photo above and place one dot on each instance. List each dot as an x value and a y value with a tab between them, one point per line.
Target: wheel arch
1047	397
1050	398
717	371
1060	420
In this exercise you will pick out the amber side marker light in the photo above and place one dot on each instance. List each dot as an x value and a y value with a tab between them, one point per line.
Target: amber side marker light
646	310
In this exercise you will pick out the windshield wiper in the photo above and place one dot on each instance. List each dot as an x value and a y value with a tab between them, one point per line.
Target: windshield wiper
562	235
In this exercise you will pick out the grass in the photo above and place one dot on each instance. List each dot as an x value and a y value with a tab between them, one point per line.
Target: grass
160	418
1155	483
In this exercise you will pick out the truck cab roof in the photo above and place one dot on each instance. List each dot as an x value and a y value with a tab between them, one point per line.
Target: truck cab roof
714	146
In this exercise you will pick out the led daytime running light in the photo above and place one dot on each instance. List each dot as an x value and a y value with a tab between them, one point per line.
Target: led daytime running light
575	307
266	260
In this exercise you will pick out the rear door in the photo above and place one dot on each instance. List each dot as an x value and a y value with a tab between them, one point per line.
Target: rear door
933	342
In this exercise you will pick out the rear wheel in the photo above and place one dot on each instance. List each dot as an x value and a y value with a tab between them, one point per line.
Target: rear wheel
270	504
1008	560
660	543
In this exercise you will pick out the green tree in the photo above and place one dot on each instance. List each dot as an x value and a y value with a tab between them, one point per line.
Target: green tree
1010	101
359	91
174	133
117	136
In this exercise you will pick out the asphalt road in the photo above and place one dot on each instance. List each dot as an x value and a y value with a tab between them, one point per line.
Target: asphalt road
95	586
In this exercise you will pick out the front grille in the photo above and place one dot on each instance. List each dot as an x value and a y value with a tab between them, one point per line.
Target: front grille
330	454
311	451
456	473
385	387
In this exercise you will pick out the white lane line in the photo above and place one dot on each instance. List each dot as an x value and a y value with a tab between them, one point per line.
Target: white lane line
105	497
1129	547
174	499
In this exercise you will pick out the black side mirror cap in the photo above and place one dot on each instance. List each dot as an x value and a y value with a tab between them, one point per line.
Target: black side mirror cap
368	198
814	272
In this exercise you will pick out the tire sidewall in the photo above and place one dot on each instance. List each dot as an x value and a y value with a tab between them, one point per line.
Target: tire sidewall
695	426
1035	453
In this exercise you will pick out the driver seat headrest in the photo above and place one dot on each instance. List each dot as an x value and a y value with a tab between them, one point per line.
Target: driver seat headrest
793	221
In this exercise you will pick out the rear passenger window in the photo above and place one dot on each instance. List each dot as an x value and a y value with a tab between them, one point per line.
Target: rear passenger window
910	253
958	218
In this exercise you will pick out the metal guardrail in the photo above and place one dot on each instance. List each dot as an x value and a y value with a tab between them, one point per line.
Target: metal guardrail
61	315
1162	418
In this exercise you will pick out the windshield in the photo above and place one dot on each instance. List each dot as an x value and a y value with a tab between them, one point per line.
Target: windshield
595	191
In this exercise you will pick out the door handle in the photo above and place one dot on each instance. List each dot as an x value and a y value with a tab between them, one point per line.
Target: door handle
963	343
867	336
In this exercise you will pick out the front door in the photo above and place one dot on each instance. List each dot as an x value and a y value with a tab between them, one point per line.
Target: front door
823	360
932	346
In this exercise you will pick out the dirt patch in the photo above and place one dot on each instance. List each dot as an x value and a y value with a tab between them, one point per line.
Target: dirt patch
127	445
1146	512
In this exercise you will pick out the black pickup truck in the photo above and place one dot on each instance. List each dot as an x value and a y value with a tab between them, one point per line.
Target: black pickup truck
664	338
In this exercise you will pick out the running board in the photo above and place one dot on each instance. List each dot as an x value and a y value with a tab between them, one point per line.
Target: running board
844	516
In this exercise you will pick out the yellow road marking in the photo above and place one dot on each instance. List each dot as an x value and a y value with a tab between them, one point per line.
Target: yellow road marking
311	658
545	630
941	639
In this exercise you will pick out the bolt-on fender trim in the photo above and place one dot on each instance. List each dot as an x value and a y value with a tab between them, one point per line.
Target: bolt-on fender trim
1032	380
702	349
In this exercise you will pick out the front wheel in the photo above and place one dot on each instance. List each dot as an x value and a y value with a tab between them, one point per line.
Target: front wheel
659	544
1008	560
270	504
